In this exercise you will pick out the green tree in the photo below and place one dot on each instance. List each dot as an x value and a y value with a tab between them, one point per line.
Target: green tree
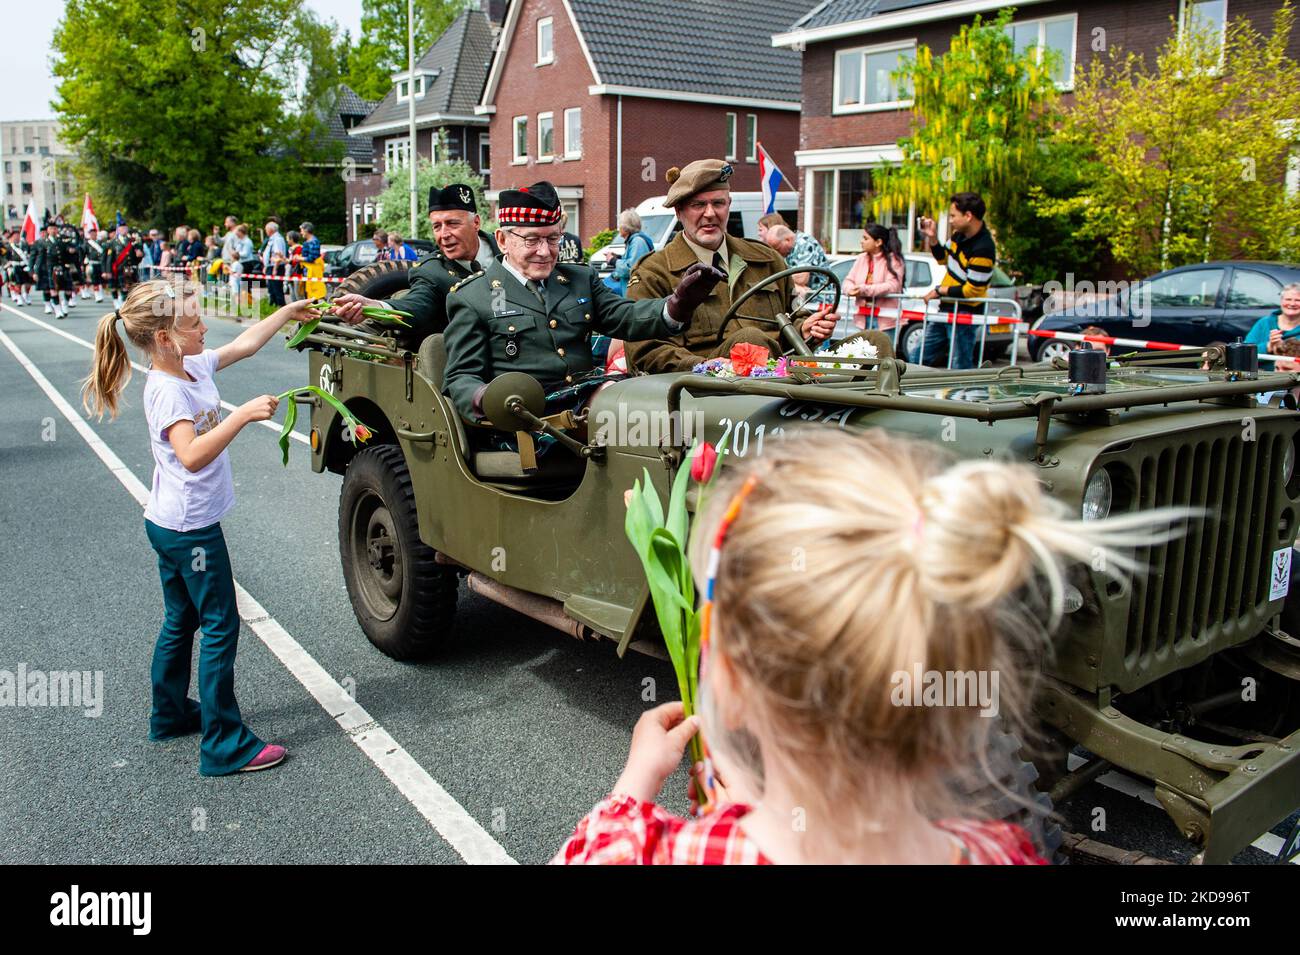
191	110
981	112
1188	160
380	51
395	203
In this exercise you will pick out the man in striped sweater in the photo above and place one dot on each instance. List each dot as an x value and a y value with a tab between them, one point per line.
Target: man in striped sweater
969	257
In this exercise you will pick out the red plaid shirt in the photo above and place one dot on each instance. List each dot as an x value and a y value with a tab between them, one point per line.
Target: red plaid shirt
625	831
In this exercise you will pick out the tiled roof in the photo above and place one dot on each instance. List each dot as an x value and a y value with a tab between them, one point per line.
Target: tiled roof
832	12
462	55
350	104
722	47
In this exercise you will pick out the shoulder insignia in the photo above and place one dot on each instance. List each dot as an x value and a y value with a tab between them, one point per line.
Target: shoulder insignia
467	279
633	280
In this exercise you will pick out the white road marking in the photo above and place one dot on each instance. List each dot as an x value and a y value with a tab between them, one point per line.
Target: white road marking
1120	782
474	844
295	435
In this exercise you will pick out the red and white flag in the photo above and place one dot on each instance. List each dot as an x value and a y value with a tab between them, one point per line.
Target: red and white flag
31	228
89	224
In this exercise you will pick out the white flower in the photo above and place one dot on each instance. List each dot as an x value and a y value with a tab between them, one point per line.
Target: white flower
857	348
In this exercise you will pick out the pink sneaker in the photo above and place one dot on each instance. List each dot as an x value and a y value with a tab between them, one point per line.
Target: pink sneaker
271	755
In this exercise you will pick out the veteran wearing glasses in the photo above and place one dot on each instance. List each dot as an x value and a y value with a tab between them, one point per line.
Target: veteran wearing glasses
526	312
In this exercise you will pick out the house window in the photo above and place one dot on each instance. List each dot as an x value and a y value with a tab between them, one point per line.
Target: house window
841	208
751	137
570	208
545	41
484	154
864	78
27	189
545	135
729	137
403	86
521	139
397	152
1207	16
24	167
1055	34
573	133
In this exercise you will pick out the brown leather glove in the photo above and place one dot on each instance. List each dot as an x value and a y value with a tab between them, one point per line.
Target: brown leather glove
695	286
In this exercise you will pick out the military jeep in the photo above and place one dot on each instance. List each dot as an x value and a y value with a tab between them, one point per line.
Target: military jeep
1183	677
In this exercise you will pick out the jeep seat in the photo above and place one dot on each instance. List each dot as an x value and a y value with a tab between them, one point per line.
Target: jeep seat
559	465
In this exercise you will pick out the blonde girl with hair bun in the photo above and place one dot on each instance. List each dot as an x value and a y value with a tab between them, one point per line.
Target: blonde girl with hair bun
192	491
848	563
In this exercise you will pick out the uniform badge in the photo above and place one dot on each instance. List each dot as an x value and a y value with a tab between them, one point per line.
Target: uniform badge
562	280
583	301
512	348
633	280
465	196
496	283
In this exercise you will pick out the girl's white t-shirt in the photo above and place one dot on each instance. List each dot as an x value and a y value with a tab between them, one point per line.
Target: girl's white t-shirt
180	499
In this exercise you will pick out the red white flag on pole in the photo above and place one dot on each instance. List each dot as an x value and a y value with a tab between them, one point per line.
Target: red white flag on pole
89	224
31	228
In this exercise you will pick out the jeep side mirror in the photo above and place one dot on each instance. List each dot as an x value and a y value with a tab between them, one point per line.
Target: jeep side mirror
514	389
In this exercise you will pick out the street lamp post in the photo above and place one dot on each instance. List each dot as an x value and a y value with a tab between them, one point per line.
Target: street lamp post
410	90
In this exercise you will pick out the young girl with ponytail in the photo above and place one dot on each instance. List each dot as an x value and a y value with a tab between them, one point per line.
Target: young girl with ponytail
192	491
839	564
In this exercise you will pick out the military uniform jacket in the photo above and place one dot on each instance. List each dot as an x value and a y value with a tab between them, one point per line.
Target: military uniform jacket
496	325
46	256
658	273
432	277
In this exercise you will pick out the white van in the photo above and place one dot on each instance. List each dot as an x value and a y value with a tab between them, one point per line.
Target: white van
660	223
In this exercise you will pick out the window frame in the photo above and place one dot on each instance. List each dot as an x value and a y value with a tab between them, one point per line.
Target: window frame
730	131
537	30
1042	22
838	108
518	158
549	116
392	148
751	137
569	152
1183	6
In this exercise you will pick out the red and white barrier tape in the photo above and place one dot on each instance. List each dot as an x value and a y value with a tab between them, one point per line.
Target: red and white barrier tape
248	275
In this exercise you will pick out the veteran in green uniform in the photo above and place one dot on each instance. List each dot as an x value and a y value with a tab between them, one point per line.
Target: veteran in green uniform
701	196
528	313
463	250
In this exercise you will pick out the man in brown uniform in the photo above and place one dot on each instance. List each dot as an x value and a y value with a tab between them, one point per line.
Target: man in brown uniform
701	196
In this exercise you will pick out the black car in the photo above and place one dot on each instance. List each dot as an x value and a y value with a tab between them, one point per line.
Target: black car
1190	305
361	253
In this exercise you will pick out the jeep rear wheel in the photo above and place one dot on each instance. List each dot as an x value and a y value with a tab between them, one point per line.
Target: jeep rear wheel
1015	797
404	600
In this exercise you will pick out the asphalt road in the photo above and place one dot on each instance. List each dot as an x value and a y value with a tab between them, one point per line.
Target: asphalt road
523	728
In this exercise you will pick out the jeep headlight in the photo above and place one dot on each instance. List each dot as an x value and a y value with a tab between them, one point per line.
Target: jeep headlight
1288	462
1097	496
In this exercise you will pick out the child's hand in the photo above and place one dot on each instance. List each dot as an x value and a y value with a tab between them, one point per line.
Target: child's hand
259	409
720	795
658	741
298	311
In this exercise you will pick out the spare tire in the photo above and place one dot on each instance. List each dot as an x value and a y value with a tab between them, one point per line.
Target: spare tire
379	280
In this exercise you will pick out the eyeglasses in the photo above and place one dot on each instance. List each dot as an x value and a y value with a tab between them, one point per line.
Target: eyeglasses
535	241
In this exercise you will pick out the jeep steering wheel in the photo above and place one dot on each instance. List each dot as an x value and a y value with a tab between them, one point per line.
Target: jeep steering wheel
803	309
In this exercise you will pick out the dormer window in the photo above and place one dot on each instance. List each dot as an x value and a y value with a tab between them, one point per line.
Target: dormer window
404	86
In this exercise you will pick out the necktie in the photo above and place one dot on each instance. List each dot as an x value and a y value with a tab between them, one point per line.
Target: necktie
538	289
718	263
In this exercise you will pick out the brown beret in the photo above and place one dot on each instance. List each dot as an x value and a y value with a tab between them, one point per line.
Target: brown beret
701	175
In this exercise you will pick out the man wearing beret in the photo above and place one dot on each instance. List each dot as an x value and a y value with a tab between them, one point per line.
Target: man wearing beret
701	196
529	313
463	250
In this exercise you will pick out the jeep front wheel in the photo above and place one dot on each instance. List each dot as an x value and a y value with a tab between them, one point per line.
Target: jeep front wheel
404	600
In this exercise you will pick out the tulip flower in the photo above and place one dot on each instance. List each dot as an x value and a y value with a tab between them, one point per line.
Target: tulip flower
358	432
703	460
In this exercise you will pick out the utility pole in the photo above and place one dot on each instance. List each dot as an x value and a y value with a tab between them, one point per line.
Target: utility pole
410	89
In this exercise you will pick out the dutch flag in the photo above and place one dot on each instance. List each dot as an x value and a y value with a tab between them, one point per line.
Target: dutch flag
770	177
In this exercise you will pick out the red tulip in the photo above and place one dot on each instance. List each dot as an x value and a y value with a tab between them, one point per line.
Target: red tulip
361	432
703	462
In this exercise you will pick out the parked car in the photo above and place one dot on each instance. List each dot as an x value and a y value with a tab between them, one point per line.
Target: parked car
660	223
1191	305
921	274
361	253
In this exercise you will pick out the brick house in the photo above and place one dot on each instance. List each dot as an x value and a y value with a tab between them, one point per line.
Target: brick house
602	97
853	115
448	80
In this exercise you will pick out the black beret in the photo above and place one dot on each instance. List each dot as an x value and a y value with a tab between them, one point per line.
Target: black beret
454	196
